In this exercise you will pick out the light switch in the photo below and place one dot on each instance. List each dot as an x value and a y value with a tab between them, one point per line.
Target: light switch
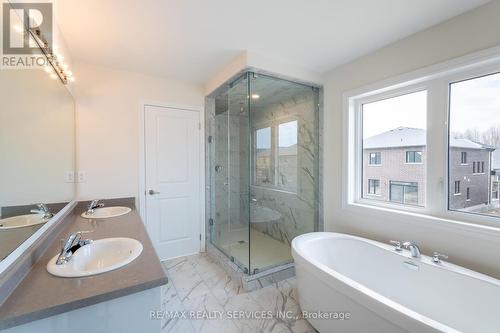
69	177
82	177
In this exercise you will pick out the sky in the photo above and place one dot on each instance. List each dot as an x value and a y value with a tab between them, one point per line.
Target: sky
406	110
474	104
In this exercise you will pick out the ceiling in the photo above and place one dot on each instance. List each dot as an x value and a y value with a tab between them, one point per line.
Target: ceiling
191	40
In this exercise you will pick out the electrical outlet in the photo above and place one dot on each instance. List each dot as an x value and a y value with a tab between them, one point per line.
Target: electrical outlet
69	177
82	177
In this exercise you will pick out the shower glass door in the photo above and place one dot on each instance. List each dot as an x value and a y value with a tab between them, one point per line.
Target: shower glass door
263	165
229	173
284	167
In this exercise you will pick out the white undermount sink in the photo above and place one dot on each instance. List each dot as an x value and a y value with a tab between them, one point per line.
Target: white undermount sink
107	212
98	257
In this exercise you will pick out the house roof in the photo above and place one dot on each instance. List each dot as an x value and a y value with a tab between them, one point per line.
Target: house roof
411	137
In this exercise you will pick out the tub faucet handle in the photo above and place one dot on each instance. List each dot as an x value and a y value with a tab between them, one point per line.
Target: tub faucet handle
436	257
397	245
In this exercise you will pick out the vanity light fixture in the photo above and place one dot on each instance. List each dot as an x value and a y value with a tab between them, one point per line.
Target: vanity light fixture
55	61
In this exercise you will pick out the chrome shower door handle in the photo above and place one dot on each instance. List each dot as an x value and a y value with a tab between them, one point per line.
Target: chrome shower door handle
153	192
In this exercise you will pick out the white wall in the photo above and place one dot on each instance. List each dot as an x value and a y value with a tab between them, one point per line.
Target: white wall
255	61
37	136
107	104
473	31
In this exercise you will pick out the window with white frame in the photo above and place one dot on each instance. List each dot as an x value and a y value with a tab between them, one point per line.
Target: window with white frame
463	157
495	188
404	192
287	155
475	125
375	158
275	156
395	128
374	186
263	157
458	108
413	157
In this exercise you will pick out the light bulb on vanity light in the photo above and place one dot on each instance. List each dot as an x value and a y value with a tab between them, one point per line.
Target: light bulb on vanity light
53	76
255	96
69	73
71	79
18	28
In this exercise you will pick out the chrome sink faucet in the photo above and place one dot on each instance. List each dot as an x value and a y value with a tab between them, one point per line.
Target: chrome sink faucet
93	205
69	246
414	249
43	209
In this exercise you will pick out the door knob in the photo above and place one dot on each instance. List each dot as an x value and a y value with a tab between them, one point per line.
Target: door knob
153	192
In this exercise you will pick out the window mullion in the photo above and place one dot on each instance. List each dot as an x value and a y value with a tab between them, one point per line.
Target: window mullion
274	154
437	147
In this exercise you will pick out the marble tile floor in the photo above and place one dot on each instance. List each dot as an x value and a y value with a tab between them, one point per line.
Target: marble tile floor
199	287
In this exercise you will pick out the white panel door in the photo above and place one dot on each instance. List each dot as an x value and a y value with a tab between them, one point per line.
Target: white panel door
172	154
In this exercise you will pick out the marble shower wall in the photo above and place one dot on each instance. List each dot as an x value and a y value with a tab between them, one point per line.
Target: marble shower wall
299	210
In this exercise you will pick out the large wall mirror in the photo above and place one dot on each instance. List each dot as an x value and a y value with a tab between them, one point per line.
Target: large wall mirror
37	153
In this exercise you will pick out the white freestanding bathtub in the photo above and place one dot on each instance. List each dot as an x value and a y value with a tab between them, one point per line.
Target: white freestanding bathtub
387	291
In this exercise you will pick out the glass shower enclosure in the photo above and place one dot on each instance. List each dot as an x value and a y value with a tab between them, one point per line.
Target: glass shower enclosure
262	168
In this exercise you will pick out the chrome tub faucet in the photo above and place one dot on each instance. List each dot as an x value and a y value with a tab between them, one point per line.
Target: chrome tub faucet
414	249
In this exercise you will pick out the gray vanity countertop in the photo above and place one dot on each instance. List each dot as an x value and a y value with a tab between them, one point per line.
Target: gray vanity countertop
42	295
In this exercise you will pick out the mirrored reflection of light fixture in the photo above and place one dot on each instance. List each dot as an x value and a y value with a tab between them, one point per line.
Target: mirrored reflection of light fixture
255	96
